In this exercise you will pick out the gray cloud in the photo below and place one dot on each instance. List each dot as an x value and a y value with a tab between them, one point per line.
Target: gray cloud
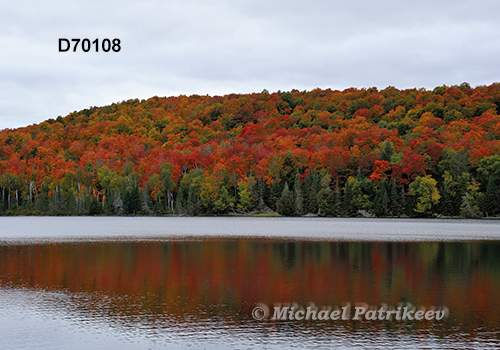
218	47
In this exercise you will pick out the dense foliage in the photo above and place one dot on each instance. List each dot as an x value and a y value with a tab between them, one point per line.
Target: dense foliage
392	152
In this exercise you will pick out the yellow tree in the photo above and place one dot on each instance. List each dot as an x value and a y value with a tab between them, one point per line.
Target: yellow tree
424	187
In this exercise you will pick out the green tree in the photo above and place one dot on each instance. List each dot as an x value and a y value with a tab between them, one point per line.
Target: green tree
10	183
155	185
337	200
276	192
312	185
381	201
348	202
297	195
132	200
95	207
455	187
362	192
445	205
427	195
468	209
168	184
489	173
386	150
223	201
395	205
285	205
248	195
263	193
112	185
325	196
189	193
489	201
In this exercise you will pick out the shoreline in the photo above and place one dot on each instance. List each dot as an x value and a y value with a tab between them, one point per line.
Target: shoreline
256	215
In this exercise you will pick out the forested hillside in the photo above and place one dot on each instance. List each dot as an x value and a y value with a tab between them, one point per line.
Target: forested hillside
388	152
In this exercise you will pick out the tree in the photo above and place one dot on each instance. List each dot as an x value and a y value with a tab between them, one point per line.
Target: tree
425	190
297	195
155	185
325	196
445	205
248	196
395	206
348	203
386	150
189	200
209	194
262	192
489	201
362	192
380	169
95	207
489	172
285	205
381	201
311	189
276	193
337	200
112	186
468	209
456	163
132	200
9	181
168	184
224	201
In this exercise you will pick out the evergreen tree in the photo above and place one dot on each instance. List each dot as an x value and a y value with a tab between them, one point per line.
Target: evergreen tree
285	205
410	205
276	192
263	193
95	207
404	202
43	201
325	196
381	201
385	202
469	209
310	193
395	201
316	187
132	200
377	204
297	196
347	203
489	203
445	205
146	202
337	200
107	202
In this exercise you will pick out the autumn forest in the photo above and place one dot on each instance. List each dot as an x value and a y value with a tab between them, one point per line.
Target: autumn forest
357	152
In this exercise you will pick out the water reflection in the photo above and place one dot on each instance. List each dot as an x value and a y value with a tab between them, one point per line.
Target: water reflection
204	288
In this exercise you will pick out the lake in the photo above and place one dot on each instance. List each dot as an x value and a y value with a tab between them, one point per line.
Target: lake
231	283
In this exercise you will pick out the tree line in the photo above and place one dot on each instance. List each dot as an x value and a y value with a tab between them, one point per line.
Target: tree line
367	152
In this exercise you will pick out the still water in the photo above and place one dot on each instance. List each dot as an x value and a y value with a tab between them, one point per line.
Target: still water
192	283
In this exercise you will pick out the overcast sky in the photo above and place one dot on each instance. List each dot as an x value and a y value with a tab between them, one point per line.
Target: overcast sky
205	47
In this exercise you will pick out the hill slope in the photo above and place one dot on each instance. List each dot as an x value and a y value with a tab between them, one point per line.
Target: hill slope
388	152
